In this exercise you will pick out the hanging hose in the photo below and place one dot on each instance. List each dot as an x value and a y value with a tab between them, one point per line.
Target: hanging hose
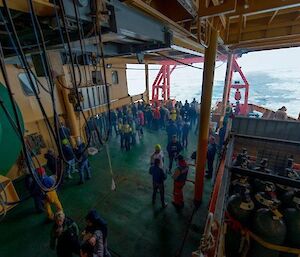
113	184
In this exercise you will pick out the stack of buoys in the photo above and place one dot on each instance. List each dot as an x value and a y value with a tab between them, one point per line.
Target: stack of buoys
262	218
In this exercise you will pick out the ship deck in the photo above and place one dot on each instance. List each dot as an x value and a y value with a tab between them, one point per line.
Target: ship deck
136	227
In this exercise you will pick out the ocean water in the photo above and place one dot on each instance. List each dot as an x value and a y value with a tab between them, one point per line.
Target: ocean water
274	78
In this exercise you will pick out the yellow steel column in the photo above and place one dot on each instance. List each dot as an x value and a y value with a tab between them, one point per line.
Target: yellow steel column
147	82
227	83
206	96
71	116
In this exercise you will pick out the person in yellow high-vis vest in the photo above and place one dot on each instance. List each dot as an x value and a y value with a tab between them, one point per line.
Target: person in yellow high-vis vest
51	197
126	129
173	115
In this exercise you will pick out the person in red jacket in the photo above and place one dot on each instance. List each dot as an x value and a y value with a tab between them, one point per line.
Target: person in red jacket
179	176
156	118
141	118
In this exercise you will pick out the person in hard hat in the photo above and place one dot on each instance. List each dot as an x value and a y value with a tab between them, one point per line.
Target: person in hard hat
126	129
158	178
120	129
132	125
95	234
139	125
211	152
174	148
83	161
69	157
280	114
179	176
64	237
173	115
51	197
158	154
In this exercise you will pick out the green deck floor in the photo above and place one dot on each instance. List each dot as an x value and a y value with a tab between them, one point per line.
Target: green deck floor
136	228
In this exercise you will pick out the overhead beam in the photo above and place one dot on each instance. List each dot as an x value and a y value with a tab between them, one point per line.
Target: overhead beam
41	7
254	7
290	11
205	11
272	17
259	6
222	16
297	17
158	15
255	36
256	28
187	44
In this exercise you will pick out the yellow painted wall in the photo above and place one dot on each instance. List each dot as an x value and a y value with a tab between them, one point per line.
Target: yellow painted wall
32	115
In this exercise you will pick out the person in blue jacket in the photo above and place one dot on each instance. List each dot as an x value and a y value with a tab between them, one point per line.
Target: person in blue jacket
171	130
69	157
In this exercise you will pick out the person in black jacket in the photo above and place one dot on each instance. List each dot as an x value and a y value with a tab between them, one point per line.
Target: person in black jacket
64	236
35	192
83	161
54	164
211	152
174	148
158	178
114	121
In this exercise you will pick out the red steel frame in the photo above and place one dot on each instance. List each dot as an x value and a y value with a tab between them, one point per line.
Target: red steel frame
161	85
237	68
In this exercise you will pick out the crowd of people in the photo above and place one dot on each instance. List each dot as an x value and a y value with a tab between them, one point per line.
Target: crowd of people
129	121
66	239
127	124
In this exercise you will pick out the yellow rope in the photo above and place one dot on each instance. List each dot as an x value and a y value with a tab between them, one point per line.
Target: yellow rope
274	247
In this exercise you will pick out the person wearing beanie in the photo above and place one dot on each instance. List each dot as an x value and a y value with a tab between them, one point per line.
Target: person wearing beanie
179	176
174	148
158	178
64	236
158	154
51	197
95	234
